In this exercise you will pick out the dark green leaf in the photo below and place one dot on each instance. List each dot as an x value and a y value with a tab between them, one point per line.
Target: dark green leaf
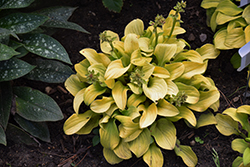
50	71
6	52
22	52
5	103
21	23
2	136
95	140
5	33
36	106
37	129
113	5
236	60
8	4
45	46
13	69
18	135
14	44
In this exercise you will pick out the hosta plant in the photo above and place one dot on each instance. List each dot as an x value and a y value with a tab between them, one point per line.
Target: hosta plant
21	33
228	123
138	86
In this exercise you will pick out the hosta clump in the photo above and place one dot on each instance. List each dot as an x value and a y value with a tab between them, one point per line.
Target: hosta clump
138	86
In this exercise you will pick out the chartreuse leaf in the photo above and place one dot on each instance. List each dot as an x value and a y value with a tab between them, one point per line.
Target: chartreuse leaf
193	68
76	121
113	5
109	135
240	22
166	109
246	14
226	125
135	100
36	106
191	92
223	18
119	93
136	27
246	157
238	162
206	4
137	58
219	39
153	157
172	87
141	144
8	4
92	92
161	72
90	125
145	46
239	145
122	150
235	38
213	23
229	8
73	84
13	69
6	52
131	43
82	69
186	114
247	33
175	69
37	129
244	109
148	116
164	133
208	51
186	153
105	46
132	112
191	55
21	23
101	105
2	136
110	156
5	103
78	100
45	46
164	52
115	70
206	119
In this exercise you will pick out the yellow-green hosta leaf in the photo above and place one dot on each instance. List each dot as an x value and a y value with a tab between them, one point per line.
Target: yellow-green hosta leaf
93	57
175	69
105	46
153	157
144	44
219	40
229	8
238	162
191	55
208	51
186	114
148	116
240	22
244	109
137	58
109	135
136	26
235	38
131	43
119	93
73	84
132	112
92	92
206	4
76	121
206	119
191	92
246	157
115	70
135	88
140	145
164	52
247	33
239	145
90	125
226	125
135	100
177	30
99	69
213	23
111	110
161	72
201	82
101	105
172	87
155	89
122	150
147	70
166	109
82	69
193	68
215	106
246	14
111	157
207	98
164	133
169	20
223	18
104	120
78	100
187	154
110	83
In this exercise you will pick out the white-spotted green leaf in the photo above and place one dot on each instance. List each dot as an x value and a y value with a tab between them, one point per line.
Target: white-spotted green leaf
73	84
79	98
175	69
45	46
164	52
22	52
164	108
36	106
10	4
89	126
246	157
226	125
92	92
110	156
115	70
164	133
119	93
206	4
239	145
219	39
223	18
21	23
153	157
122	150
4	36
140	145
148	116
2	136
208	51
191	55
186	153
235	38
5	103
136	26
246	14
191	92
101	105
206	119
13	69
229	8
49	71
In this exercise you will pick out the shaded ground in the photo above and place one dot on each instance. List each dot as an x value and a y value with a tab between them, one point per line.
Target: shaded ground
95	18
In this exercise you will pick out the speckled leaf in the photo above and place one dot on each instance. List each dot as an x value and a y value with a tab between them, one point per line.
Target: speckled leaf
5	33
22	52
13	69
45	46
36	106
21	23
36	129
5	103
2	136
6	52
50	71
10	4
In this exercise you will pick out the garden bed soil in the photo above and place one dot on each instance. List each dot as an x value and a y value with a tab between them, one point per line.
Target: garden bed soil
67	151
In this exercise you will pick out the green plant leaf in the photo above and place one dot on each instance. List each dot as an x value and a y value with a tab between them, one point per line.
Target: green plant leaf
90	125
10	4
206	119
236	60
246	14
119	93
191	92
223	18
164	52
74	85
235	38
92	92
37	129
5	33
2	136
246	157
22	52
136	26
50	71
21	23
208	51
116	69
5	103
95	140
111	157
229	8
122	150
219	39
238	162
210	3
153	157
13	69
239	145
113	5
36	106
149	115
186	114
166	109
45	46
226	125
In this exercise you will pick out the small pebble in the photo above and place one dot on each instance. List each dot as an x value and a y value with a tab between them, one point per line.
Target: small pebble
191	37
192	143
203	37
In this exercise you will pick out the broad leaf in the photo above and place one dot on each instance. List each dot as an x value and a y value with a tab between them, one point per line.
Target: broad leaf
164	52
186	114
6	52
246	157
131	43
229	8
90	125
13	69
9	4
136	26
190	55
73	84
206	119
45	46
223	18
2	136
36	106
111	157
210	3
246	14
122	150
164	108
92	92
193	68
191	92
175	69
219	39
115	70
113	5
226	125
153	157
135	100
247	33
119	93
208	51
101	105
148	116
105	45
235	38
239	145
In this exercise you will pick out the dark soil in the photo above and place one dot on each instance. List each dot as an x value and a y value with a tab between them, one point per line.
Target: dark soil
69	150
